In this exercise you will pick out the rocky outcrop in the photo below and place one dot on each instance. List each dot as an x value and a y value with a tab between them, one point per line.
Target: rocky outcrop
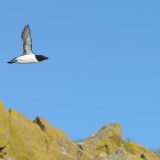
22	139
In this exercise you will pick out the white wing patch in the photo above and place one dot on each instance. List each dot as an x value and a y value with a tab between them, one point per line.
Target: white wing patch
27	40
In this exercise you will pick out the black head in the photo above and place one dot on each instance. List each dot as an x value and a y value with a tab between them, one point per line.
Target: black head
41	57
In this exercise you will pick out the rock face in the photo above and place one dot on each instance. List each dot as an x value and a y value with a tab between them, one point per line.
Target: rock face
22	139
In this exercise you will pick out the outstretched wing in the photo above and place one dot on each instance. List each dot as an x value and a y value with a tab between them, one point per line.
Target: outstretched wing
27	40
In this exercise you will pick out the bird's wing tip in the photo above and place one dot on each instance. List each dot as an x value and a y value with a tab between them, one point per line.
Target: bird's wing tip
27	26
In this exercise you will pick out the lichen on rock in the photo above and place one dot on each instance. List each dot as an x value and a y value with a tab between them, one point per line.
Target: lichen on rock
22	139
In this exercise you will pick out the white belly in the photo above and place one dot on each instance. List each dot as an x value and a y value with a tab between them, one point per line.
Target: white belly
26	59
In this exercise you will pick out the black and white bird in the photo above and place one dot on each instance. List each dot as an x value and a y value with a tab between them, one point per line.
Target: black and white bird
28	56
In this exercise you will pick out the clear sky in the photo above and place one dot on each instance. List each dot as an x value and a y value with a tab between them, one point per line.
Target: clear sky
104	65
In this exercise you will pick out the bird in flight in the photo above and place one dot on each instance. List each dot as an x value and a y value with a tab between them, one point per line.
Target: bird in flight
28	56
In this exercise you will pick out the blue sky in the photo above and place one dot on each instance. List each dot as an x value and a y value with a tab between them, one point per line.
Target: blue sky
103	68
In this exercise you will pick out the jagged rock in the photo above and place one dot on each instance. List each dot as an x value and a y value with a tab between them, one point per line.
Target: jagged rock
105	141
27	140
4	125
22	139
110	131
140	151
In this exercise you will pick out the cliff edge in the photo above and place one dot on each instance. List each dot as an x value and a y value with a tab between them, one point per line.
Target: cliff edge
22	139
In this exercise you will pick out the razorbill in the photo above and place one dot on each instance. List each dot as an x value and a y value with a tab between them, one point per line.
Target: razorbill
28	56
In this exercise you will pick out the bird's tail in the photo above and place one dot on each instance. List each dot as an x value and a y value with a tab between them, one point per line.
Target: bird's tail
12	61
